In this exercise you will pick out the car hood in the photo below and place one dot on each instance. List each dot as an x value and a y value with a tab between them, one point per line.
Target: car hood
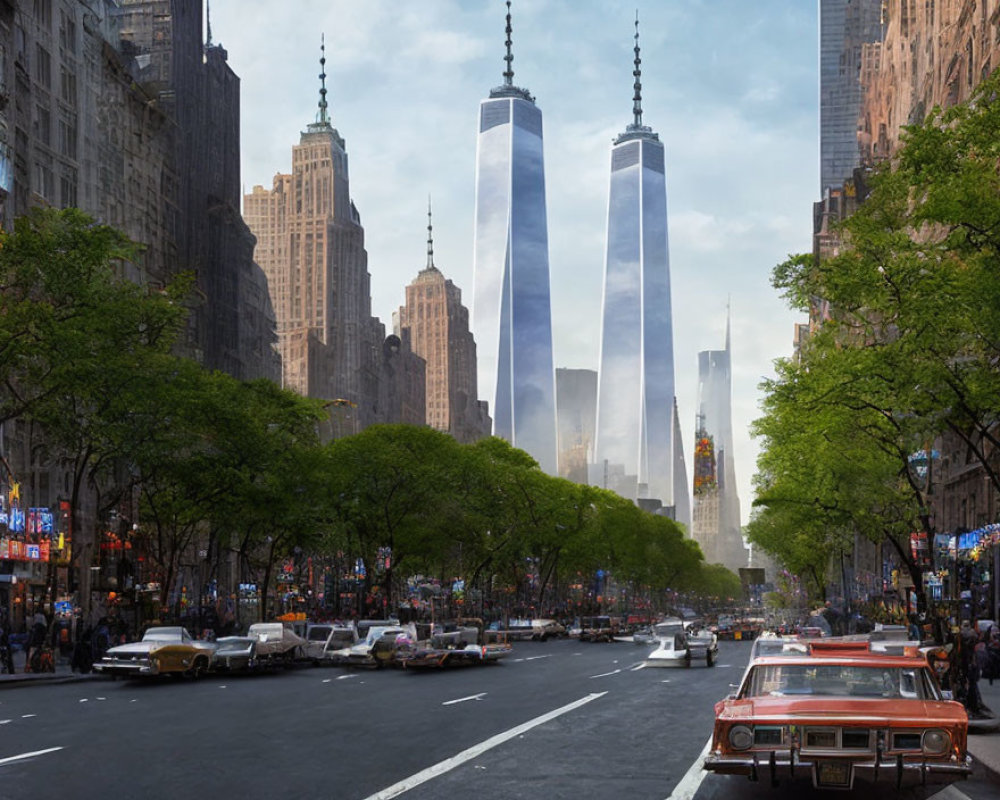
832	710
134	648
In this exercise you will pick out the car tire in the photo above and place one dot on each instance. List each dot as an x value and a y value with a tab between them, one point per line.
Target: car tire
198	669
710	659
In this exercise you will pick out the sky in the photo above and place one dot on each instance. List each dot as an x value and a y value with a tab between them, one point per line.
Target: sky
730	86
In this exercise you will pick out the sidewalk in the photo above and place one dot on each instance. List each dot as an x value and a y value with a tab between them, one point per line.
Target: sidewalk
984	735
63	674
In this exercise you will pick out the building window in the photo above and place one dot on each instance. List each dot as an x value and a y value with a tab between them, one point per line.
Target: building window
67	86
43	66
67	138
67	189
43	181
43	125
67	32
43	12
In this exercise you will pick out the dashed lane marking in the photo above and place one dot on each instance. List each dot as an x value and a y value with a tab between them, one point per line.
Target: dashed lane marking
477	750
23	756
605	674
463	699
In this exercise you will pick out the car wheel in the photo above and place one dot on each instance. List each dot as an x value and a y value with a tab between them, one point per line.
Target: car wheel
198	669
710	659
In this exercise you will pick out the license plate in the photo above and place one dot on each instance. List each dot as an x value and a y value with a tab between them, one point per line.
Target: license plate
833	773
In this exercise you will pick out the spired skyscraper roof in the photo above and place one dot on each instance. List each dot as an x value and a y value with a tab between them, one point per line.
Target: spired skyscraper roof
634	448
512	316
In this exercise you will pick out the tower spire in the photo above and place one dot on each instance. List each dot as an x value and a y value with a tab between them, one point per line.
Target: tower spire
208	21
729	317
430	236
508	75
322	118
637	73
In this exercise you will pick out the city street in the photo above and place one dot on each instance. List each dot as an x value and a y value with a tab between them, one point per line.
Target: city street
560	719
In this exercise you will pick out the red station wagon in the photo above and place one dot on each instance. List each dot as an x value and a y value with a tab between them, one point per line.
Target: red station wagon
835	712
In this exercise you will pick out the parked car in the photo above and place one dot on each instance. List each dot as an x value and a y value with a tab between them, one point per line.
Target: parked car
673	648
598	629
162	651
339	638
277	643
316	635
377	649
703	645
839	713
235	654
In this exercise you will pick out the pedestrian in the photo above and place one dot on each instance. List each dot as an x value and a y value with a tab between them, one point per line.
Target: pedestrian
36	638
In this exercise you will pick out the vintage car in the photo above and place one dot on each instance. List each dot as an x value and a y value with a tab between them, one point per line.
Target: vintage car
340	637
276	643
673	649
377	649
453	645
703	645
162	651
838	714
598	629
235	654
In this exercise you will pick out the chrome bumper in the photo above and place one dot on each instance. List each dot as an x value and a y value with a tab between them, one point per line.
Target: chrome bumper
125	668
895	770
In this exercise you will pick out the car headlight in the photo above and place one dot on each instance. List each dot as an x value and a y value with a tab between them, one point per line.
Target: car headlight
740	737
936	741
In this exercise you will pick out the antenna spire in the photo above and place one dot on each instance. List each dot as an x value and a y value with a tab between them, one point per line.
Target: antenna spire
508	75
322	117
637	72
208	21
430	236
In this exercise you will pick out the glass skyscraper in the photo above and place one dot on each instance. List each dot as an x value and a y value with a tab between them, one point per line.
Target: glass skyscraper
635	426
512	316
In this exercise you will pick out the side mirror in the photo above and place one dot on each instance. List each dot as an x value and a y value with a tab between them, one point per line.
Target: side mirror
947	694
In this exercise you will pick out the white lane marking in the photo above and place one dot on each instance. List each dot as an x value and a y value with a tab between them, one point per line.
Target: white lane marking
688	785
345	677
5	721
477	750
102	698
637	667
83	700
723	666
535	658
666	681
32	754
327	680
463	699
605	674
516	660
133	701
950	793
28	716
223	686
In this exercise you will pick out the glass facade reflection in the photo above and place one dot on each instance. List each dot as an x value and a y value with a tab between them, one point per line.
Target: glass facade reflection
511	306
636	389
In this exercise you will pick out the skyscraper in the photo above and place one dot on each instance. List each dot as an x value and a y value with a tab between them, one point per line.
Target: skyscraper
437	326
845	26
311	245
635	402
716	518
512	316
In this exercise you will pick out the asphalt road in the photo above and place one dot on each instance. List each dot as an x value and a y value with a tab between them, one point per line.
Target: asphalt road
560	719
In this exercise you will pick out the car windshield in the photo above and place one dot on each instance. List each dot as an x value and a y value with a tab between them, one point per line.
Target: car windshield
318	634
840	680
165	635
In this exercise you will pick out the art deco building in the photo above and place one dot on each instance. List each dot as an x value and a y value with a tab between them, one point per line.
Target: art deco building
437	325
716	516
310	243
512	317
635	402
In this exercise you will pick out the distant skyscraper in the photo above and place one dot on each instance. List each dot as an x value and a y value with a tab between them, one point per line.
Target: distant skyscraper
437	325
635	403
576	407
844	27
716	517
311	245
512	316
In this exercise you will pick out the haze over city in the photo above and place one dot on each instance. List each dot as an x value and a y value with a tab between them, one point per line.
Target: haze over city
730	87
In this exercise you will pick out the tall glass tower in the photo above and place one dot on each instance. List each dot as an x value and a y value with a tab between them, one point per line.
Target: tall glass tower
512	317
635	403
